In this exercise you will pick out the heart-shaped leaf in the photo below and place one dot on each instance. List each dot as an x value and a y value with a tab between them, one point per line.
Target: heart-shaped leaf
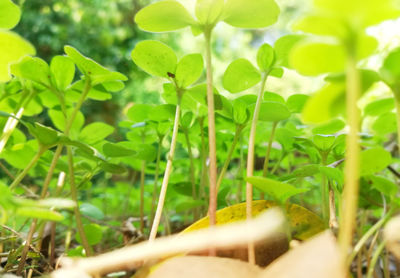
62	71
379	107
296	102
155	58
189	70
117	150
93	233
163	16
390	70
283	46
330	127
95	132
265	57
240	75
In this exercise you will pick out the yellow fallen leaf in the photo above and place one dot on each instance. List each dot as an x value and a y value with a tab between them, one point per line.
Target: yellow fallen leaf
303	222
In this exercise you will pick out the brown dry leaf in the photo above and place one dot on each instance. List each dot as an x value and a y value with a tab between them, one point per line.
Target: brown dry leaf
304	223
201	267
392	236
317	258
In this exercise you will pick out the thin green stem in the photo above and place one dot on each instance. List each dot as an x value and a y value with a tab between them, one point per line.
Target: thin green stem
203	155
368	234
240	172
74	195
352	166
32	163
191	171
325	192
267	155
156	174
212	206
397	101
142	177
238	132
167	173
375	258
250	163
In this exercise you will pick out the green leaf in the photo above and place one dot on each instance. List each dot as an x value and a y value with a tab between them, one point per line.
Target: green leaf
321	24
271	111
19	155
390	70
208	12
313	58
93	233
241	114
57	117
189	205
374	160
383	185
62	71
9	14
367	12
269	96
189	70
91	211
139	112
39	213
324	142
116	150
251	13
112	168
95	132
265	57
385	123
330	127
97	73
12	48
34	69
283	47
278	190
163	16
379	107
145	152
162	112
155	58
240	75
333	174
296	102
187	120
45	135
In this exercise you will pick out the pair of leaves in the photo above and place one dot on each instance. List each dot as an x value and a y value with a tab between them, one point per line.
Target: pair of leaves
242	75
158	59
170	15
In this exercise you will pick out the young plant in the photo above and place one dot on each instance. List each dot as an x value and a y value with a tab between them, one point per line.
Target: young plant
159	60
170	15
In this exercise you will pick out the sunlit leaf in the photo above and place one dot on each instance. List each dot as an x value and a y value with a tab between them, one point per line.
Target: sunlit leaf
296	102
385	123
62	71
116	150
240	75
330	127
189	70
155	58
10	14
95	132
379	107
93	233
374	160
265	57
209	11
251	13
34	69
283	46
272	111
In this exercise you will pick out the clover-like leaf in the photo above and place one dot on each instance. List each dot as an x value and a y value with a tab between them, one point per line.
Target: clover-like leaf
62	71
45	135
164	16
240	112
251	13
280	191
93	233
34	69
385	124
323	142
97	73
57	117
240	75
155	58
265	57
272	111
139	112
296	102
10	14
189	70
379	107
209	11
330	127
